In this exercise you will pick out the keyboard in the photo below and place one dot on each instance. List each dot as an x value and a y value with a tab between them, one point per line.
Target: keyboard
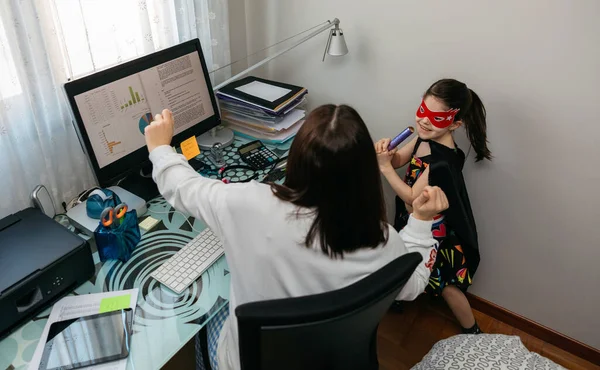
186	266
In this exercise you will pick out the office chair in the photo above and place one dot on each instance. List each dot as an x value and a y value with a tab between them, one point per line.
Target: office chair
335	330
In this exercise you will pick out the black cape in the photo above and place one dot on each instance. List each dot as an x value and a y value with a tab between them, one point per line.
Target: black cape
445	171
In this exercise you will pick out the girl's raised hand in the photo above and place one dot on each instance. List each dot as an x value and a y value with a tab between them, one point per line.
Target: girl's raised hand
382	145
384	159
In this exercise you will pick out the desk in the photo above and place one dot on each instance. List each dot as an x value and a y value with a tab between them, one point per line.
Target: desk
164	321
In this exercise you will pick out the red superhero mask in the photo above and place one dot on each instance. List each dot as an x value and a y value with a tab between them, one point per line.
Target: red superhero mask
438	119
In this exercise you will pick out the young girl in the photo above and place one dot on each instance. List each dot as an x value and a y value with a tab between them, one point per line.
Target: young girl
434	159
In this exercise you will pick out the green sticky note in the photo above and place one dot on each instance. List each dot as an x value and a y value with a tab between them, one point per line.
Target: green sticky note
115	303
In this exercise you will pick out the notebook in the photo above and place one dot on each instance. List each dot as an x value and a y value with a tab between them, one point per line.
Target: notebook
264	94
229	105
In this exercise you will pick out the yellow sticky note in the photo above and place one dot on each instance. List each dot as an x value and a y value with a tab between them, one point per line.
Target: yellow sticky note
189	148
115	303
148	223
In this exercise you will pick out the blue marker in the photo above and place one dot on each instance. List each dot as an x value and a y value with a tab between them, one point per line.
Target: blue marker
401	137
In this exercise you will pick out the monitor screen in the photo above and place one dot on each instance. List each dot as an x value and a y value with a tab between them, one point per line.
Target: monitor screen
113	107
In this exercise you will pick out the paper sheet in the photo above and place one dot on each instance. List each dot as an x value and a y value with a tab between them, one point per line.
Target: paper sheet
290	120
275	138
264	91
79	306
287	122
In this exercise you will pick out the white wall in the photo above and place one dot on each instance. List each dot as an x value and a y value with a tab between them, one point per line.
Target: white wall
237	35
536	65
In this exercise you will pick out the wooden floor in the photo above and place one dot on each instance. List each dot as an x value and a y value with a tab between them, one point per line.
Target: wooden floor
405	338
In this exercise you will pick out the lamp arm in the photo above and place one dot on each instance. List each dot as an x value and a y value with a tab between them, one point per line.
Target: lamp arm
335	22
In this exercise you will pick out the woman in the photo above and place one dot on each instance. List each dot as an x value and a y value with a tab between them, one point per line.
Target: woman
323	229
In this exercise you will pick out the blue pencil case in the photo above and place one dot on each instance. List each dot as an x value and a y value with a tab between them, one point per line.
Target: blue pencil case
117	242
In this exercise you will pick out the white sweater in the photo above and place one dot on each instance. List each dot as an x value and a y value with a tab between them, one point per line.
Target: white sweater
263	241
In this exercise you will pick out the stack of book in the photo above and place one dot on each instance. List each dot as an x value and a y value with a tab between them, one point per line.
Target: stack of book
269	111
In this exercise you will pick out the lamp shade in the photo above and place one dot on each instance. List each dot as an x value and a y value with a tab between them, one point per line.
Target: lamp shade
337	46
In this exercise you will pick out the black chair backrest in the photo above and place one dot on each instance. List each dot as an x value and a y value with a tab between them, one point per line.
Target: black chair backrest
334	331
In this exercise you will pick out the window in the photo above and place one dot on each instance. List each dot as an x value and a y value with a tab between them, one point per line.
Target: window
99	34
9	80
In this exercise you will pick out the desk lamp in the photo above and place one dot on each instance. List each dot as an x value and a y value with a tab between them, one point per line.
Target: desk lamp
336	46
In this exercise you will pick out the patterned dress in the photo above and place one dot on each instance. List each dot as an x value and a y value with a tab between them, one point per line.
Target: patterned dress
450	266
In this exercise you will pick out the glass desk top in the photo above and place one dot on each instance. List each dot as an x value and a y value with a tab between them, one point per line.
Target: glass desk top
164	321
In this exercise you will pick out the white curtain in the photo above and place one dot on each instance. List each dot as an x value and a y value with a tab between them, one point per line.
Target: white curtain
44	43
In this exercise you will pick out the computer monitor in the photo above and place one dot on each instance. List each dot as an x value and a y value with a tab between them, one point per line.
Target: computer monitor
112	107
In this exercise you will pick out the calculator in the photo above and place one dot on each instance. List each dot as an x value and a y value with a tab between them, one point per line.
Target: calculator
257	155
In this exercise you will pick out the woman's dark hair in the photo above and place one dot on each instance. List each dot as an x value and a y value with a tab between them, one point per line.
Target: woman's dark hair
456	95
332	172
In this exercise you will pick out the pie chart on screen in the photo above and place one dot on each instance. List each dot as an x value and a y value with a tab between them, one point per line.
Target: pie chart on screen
145	121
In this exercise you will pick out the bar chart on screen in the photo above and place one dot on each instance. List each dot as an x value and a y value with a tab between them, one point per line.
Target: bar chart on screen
112	146
133	98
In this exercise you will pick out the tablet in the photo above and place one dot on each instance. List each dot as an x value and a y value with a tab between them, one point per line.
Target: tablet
87	341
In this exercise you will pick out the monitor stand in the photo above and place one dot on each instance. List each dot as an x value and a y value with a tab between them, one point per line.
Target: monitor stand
223	136
141	183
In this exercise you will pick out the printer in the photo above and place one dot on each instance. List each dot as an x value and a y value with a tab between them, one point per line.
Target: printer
40	261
